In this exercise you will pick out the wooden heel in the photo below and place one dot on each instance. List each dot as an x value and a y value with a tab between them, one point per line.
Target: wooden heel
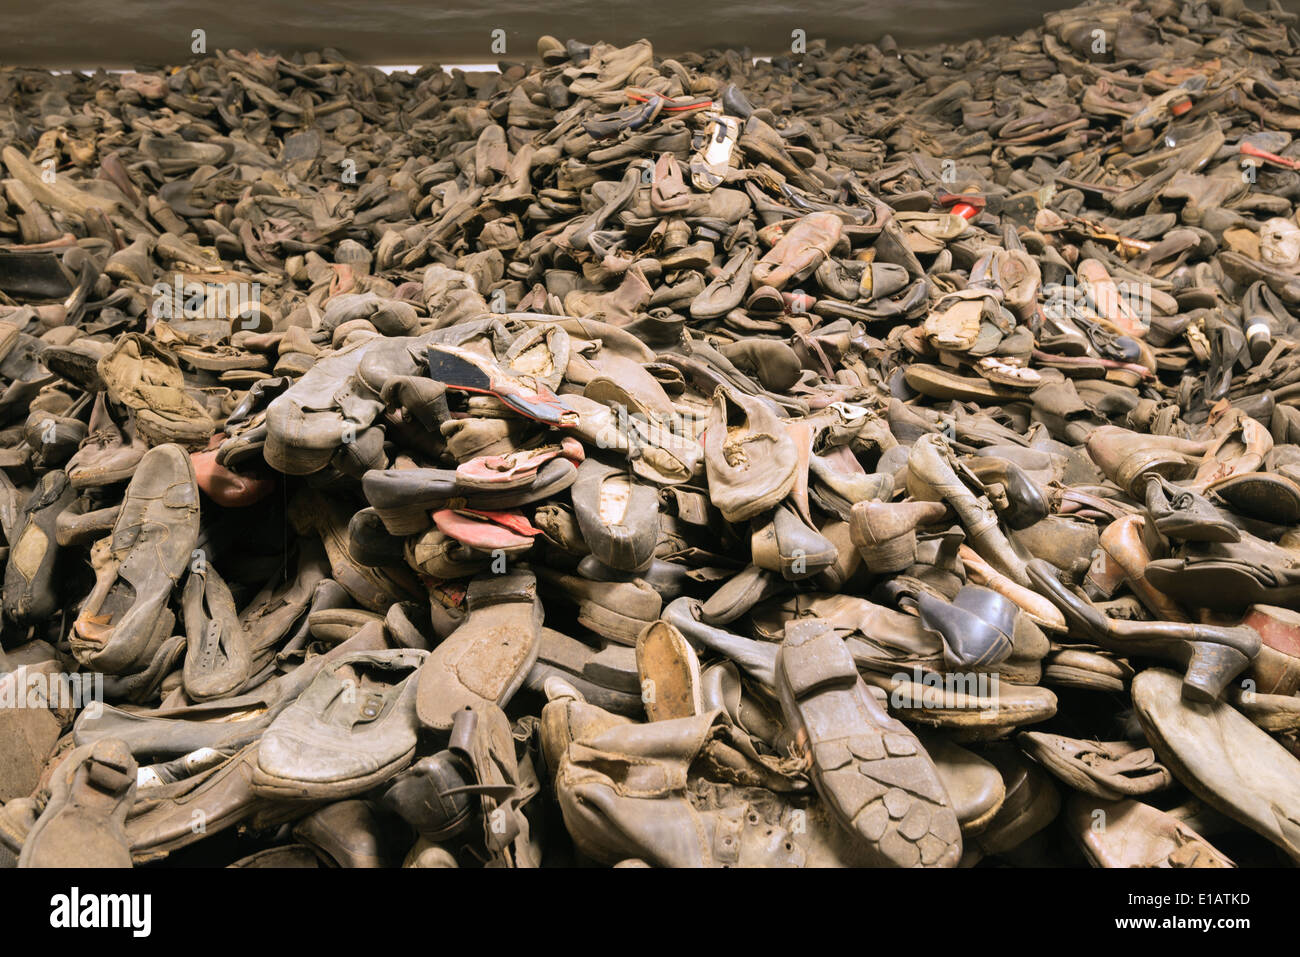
1210	668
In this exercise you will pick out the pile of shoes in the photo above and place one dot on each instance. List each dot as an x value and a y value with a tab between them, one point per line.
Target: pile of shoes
868	456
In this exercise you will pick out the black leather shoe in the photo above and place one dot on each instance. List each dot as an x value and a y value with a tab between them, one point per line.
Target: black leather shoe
1025	502
976	626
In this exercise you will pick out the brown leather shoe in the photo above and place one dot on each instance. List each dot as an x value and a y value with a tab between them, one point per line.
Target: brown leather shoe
1123	542
884	533
110	452
1128	833
1106	769
872	772
749	456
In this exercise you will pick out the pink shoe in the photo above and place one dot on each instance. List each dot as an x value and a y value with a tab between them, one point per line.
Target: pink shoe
487	531
515	469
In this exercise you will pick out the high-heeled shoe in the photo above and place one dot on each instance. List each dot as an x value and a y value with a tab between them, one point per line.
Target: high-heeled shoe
884	533
931	464
1211	654
1025	502
1122	541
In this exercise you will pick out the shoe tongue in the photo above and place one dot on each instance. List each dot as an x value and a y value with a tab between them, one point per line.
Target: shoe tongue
108	779
180	495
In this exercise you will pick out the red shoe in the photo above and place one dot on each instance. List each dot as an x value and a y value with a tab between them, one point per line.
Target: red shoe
228	489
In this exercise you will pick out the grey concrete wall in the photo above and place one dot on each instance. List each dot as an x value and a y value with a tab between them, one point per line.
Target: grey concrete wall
123	33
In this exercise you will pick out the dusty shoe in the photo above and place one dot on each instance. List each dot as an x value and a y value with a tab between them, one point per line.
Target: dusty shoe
728	289
325	409
787	544
976	626
748	456
30	726
669	672
465	371
1181	514
867	766
111	451
618	610
1207	745
83	824
218	660
1137	835
618	516
1212	654
931	465
353	727
138	566
146	378
799	252
670	819
30	589
488	657
884	533
1106	769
